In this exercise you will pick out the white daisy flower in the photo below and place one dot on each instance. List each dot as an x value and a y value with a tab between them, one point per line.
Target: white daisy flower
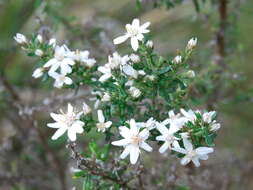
135	32
60	80
69	122
191	154
168	136
134	139
61	60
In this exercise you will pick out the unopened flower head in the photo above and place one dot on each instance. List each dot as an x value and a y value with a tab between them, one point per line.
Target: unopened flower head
37	73
69	122
190	74
106	97
150	44
208	116
191	43
39	52
135	92
135	32
20	38
215	126
52	42
86	109
177	59
134	139
135	58
39	38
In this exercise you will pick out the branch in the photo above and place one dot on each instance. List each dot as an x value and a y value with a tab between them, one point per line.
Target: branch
95	169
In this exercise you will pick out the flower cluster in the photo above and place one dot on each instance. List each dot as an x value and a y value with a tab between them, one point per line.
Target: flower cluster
131	93
58	61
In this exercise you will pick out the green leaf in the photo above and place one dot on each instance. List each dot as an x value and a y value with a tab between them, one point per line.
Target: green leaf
164	70
87	183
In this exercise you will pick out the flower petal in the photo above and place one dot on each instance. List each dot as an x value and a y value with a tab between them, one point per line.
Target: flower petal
59	133
146	147
125	153
122	142
101	117
164	147
72	134
120	39
185	160
134	154
204	150
134	43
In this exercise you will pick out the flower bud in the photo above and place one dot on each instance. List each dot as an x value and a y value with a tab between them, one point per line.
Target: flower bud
191	43
150	44
38	72
86	109
177	59
38	52
39	38
52	42
141	72
20	38
135	58
215	127
135	92
190	74
106	97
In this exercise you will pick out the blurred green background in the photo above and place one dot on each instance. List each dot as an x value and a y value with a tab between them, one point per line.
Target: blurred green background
97	23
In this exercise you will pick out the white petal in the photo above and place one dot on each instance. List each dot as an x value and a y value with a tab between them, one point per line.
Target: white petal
122	142
134	154
133	127
162	129
203	157
72	134
65	69
204	150
108	124
187	144
70	109
50	62
180	150
136	23
161	138
68	81
185	160
144	134
195	160
104	77
164	147
101	117
59	133
124	132
146	147
78	126
57	117
54	125
120	39
134	43
145	25
125	153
